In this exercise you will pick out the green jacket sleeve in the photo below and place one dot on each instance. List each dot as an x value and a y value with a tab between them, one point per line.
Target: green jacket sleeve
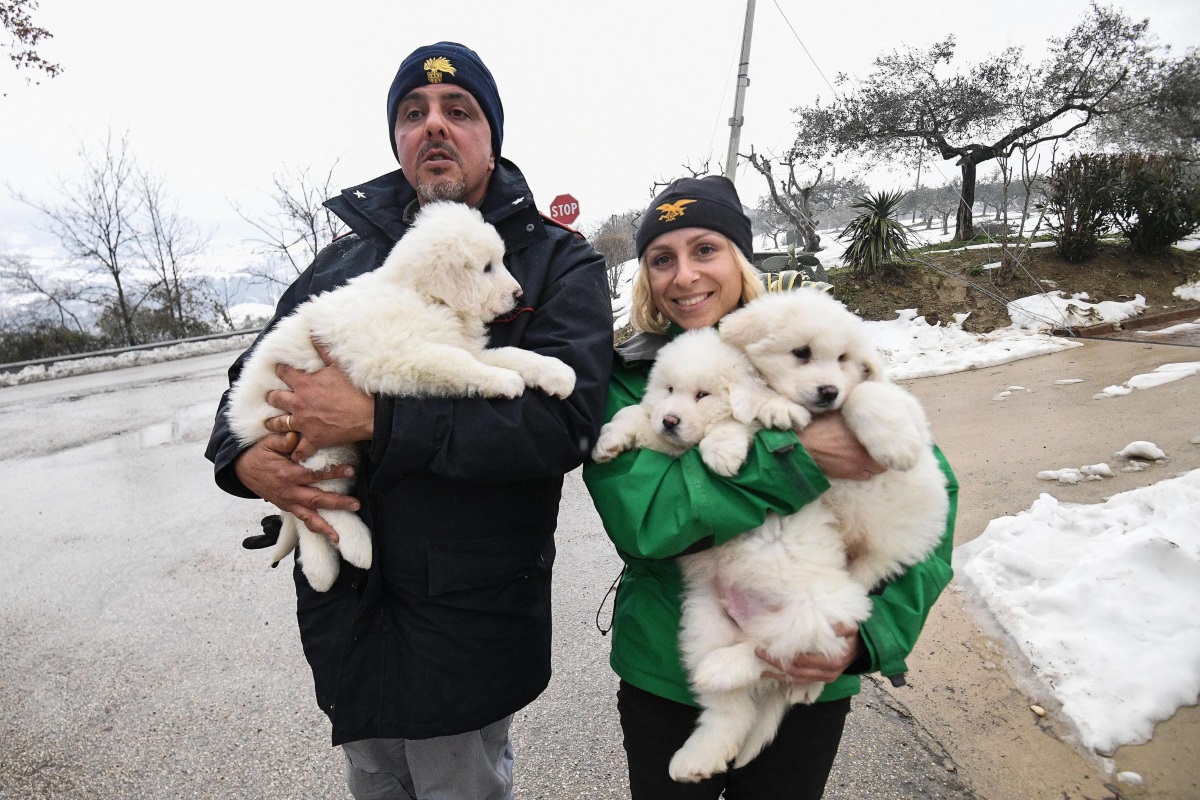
654	506
901	609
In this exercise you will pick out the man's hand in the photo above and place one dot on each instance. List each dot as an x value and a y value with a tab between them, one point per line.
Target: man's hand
267	469
324	407
811	668
831	443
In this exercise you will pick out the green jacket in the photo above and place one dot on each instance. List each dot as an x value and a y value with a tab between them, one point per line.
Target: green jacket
655	507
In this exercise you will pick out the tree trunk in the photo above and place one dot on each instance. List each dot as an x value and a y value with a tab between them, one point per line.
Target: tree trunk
964	225
808	230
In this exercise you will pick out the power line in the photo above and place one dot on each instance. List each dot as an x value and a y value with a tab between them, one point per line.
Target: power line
805	49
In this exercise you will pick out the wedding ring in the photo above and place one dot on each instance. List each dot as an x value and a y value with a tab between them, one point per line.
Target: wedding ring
288	423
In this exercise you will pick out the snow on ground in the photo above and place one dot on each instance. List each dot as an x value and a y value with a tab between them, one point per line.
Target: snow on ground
1102	600
1166	373
1055	309
131	358
1183	326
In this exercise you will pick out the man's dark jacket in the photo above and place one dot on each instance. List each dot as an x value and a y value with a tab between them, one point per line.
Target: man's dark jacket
450	628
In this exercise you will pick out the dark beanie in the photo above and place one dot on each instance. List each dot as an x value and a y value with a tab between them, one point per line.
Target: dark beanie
447	62
710	202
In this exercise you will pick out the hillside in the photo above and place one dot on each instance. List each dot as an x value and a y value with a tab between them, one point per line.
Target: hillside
1115	274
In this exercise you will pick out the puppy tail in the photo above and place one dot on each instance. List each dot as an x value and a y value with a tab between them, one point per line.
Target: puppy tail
289	536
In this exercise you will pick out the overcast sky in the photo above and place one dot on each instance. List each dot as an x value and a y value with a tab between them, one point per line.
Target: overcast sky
601	98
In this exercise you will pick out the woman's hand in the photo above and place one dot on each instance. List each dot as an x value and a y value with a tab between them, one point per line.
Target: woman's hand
831	443
814	668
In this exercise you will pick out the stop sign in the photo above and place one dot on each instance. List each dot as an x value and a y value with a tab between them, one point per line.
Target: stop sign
564	209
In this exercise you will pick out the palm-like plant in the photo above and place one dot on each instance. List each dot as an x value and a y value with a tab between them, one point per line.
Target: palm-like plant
875	237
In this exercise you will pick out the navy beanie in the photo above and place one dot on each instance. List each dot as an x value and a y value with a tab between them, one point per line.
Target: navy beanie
447	62
710	202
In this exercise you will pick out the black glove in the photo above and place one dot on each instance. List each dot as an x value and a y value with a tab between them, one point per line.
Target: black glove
271	526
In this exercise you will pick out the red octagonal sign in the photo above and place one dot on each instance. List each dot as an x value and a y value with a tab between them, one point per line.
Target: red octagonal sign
564	209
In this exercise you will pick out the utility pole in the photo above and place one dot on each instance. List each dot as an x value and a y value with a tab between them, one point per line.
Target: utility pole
743	80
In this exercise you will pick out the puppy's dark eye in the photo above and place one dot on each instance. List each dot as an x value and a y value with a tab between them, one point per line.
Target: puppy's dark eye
487	267
670	390
803	353
701	395
843	358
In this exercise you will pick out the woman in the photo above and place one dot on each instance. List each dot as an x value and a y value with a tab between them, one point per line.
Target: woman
693	246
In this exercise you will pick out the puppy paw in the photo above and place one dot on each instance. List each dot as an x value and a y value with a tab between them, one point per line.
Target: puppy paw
723	456
693	763
900	454
889	422
356	549
504	384
555	379
727	669
805	694
610	445
320	566
782	414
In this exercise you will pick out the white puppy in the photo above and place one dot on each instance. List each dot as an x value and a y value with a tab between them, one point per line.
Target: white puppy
781	587
815	352
412	327
700	392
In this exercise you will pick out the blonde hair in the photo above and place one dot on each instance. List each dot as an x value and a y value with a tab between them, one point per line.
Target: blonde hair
644	314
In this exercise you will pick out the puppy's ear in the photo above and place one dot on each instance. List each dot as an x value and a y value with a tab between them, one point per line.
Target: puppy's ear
452	280
872	366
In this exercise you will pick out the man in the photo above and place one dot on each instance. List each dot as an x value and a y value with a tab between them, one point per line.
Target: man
421	661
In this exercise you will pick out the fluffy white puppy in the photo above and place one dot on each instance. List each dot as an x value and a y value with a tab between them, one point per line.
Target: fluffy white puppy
781	587
700	392
412	327
815	352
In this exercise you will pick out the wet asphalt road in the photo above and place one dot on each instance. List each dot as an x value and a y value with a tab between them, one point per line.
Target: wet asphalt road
146	655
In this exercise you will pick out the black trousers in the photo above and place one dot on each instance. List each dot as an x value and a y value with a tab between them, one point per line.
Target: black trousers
793	767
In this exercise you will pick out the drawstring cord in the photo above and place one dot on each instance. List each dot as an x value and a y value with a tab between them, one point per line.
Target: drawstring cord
611	589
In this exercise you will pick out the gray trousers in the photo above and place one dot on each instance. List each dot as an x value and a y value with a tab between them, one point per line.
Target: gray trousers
468	766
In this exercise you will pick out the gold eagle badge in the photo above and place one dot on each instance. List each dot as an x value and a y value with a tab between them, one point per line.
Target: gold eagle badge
434	67
672	211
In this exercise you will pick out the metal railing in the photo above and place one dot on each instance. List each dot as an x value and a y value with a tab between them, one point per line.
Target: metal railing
17	366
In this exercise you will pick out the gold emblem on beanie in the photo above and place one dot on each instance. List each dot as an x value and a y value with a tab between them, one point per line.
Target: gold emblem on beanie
672	211
434	67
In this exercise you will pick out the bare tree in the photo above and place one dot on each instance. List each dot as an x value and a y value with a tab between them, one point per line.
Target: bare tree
219	297
133	247
14	16
693	172
298	226
94	224
798	201
1013	249
62	297
768	220
614	239
793	198
166	244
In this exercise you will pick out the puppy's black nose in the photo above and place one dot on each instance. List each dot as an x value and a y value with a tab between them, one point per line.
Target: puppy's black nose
518	293
826	394
670	421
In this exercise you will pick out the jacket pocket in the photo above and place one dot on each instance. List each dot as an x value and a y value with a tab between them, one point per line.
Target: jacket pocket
474	563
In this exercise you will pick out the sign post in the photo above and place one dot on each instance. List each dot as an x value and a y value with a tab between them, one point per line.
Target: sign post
564	209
